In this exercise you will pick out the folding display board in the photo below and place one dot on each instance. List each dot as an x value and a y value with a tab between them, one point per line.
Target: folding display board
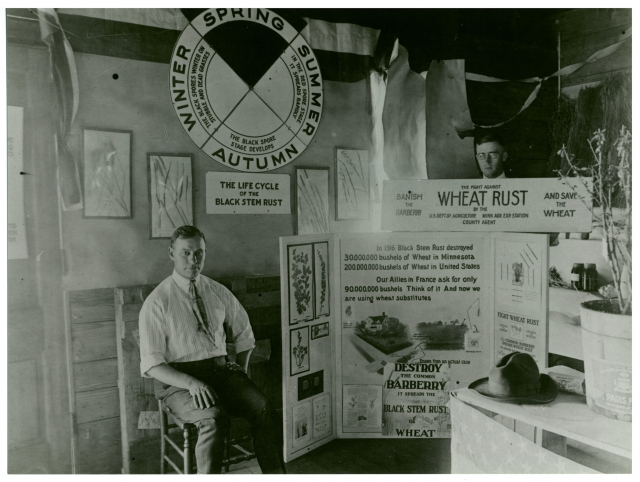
411	316
307	281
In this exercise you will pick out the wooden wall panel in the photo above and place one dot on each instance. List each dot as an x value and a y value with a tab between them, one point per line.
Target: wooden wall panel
22	399
136	393
585	31
97	404
94	365
91	313
93	375
99	447
32	459
93	341
579	22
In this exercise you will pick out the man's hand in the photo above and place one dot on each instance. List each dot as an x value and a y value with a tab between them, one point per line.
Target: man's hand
234	367
202	395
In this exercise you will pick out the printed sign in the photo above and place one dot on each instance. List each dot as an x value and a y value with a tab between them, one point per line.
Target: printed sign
520	294
416	400
242	193
361	410
246	87
301	424
322	415
16	228
520	205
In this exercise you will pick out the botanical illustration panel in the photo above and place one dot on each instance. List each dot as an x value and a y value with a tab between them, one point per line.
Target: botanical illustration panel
107	173
320	331
321	274
300	259
170	193
299	343
352	184
312	200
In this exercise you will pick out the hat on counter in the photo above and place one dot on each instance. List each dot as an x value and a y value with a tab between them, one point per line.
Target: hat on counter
516	379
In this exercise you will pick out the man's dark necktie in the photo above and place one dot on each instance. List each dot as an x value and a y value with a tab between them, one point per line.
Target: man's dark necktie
201	314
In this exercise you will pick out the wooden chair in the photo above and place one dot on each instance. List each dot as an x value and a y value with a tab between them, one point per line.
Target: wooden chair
190	435
234	449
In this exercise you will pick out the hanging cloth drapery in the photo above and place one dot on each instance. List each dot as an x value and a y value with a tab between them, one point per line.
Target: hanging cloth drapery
65	79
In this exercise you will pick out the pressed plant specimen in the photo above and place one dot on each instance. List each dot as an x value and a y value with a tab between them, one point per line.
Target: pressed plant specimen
301	276
171	188
352	184
107	177
299	351
323	285
313	201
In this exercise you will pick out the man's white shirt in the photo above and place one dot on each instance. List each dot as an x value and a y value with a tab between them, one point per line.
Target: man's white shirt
169	328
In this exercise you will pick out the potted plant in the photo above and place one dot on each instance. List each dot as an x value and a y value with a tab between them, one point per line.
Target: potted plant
606	324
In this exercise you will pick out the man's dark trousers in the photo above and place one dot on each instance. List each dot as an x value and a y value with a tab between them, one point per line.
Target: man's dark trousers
236	395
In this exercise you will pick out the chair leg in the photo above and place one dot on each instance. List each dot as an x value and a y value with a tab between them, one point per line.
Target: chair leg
188	456
163	442
227	452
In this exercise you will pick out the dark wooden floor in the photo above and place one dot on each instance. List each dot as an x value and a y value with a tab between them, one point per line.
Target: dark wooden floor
376	456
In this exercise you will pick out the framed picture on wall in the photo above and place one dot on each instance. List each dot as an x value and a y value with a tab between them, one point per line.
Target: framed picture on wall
352	184
300	270
320	331
170	193
299	356
107	173
312	200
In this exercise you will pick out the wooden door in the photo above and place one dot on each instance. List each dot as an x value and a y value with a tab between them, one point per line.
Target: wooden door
38	417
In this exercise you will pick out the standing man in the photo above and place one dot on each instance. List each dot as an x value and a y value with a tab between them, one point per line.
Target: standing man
186	324
491	154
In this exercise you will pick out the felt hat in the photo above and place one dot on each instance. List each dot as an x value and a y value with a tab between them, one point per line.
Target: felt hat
516	379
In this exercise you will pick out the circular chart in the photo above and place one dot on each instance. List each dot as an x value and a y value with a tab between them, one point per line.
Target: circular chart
246	87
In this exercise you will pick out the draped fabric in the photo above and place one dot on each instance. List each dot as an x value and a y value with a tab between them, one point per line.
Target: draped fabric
65	80
404	121
448	156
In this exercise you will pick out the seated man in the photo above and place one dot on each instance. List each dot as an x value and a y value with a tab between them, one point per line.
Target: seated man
185	324
491	155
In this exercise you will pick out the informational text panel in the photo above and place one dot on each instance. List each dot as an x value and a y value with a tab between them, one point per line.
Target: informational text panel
521	296
515	205
414	307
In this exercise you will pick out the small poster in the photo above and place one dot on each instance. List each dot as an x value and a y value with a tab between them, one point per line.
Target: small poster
16	228
246	193
322	415
320	331
301	424
299	344
361	411
520	323
312	199
107	173
416	400
170	193
352	184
